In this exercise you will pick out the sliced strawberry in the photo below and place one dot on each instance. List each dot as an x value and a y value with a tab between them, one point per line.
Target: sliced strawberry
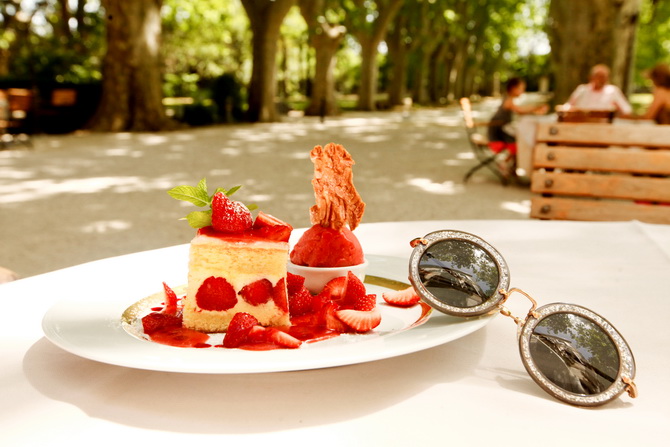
360	320
239	329
258	335
294	282
401	298
270	227
329	319
215	293
300	303
257	293
230	216
156	321
170	301
279	295
320	301
283	339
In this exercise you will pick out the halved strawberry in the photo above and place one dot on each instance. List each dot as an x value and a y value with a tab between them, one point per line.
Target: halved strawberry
257	292
230	216
215	293
270	227
300	302
354	291
239	329
366	302
329	319
294	283
156	321
170	301
258	335
279	295
401	298
320	301
283	339
360	320
335	288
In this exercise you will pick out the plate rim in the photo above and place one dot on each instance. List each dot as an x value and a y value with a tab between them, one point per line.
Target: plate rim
140	354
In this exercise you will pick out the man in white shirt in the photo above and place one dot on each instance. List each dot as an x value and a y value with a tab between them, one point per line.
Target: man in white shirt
598	94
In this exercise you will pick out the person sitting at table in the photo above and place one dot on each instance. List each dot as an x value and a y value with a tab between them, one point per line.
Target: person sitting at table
599	94
659	110
502	130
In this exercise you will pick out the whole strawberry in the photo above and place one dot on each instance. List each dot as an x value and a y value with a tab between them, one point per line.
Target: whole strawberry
229	216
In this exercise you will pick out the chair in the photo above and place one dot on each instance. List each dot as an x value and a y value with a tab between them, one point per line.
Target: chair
487	153
15	128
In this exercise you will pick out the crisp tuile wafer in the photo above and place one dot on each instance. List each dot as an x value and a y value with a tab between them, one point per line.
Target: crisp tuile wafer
337	201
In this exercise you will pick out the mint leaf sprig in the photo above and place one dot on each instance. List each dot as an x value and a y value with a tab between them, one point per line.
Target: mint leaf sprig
198	196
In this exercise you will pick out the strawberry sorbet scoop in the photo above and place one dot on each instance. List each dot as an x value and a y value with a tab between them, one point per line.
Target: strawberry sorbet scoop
338	210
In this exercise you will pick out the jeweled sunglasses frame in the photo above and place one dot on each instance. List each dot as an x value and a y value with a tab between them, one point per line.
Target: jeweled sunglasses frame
526	326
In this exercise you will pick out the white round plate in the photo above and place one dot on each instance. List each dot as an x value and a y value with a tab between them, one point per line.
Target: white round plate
95	330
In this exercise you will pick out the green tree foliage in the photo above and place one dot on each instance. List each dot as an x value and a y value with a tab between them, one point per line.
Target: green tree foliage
653	39
203	40
51	41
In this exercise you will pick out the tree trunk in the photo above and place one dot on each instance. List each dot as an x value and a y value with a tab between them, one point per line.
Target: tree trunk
398	50
367	90
369	37
265	18
624	41
436	73
604	33
132	97
325	38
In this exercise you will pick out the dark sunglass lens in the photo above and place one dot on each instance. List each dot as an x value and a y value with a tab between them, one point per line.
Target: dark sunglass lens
574	353
459	273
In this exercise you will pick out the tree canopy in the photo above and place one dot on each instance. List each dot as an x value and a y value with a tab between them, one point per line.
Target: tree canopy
222	57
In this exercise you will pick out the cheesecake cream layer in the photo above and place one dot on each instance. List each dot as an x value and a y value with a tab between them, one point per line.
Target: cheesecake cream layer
240	262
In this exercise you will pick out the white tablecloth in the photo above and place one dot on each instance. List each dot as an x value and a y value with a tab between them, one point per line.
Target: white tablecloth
472	391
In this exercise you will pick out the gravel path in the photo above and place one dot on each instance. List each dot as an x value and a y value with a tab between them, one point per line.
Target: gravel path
81	197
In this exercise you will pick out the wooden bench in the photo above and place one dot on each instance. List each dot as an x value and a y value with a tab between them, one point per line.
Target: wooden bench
601	172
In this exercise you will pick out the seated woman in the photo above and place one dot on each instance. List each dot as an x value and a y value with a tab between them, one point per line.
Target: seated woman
501	129
659	110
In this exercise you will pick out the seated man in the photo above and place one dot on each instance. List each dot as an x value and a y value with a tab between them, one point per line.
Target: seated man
598	94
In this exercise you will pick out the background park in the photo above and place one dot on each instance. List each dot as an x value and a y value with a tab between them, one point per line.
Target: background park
163	93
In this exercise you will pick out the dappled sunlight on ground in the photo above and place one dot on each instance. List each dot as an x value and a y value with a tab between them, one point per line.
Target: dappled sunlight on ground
444	188
85	196
522	207
44	189
106	226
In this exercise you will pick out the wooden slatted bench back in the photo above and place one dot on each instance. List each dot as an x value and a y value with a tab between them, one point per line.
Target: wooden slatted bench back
601	172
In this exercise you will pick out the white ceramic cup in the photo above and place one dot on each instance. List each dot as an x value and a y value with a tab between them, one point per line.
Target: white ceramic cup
317	277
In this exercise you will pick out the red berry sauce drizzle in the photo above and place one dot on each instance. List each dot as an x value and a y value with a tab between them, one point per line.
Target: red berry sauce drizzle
319	320
169	331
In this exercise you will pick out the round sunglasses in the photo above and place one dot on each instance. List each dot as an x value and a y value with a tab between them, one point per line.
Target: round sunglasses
571	352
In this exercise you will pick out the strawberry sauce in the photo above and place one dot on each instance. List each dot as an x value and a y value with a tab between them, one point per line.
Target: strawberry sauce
302	328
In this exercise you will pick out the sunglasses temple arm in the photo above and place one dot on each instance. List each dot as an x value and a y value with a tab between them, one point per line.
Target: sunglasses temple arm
631	388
